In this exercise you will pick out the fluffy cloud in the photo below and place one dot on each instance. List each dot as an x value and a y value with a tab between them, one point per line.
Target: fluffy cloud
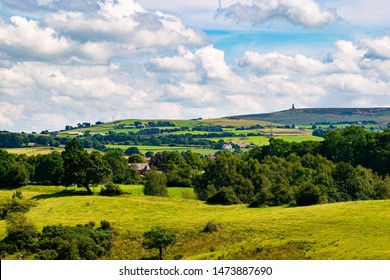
348	74
26	38
8	113
77	61
307	13
379	47
125	22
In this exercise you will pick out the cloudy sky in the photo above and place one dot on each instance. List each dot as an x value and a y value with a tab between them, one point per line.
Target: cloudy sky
64	62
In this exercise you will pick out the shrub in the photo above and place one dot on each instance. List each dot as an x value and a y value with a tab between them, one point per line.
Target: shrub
211	227
14	205
307	194
21	234
17	195
111	189
82	242
225	196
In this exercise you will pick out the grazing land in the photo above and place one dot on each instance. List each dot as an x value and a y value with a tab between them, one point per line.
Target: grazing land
248	195
352	230
323	115
156	149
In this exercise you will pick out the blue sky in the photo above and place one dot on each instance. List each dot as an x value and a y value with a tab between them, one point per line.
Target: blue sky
64	62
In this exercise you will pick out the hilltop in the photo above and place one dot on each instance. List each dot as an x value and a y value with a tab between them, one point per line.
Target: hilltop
323	115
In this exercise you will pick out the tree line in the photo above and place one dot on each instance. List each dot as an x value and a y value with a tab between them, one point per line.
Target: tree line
350	164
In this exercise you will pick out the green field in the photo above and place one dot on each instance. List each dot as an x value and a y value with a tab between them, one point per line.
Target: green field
156	149
33	151
353	230
299	138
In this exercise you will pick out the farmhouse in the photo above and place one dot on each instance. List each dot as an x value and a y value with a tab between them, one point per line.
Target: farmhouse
142	168
227	147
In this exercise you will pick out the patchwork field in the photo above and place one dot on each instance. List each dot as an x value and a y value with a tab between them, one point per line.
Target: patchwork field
354	230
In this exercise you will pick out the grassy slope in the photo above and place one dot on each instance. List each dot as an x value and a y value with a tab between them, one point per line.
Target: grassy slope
355	230
314	115
156	149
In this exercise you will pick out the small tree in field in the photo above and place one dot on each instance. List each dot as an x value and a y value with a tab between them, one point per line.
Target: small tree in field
158	238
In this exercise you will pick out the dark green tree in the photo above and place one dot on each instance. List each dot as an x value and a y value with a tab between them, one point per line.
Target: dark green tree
155	184
158	238
136	158
131	151
82	169
49	169
120	170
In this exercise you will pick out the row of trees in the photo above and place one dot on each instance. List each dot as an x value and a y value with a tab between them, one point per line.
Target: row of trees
74	166
349	164
295	180
352	145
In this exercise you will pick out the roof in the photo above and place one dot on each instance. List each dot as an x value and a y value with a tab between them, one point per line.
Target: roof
140	166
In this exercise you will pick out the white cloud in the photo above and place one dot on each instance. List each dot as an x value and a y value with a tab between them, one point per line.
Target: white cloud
379	47
92	60
307	13
26	38
279	63
8	113
125	22
348	57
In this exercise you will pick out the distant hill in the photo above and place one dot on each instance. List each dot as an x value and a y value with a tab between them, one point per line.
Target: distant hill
322	115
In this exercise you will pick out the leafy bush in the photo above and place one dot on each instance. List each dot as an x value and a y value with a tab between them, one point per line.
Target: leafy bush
58	242
18	194
111	189
225	196
308	194
82	242
21	235
211	227
16	204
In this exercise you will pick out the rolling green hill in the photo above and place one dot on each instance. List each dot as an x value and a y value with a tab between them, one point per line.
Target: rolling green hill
321	115
352	230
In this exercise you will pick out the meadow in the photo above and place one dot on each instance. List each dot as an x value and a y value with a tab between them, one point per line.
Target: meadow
156	149
352	230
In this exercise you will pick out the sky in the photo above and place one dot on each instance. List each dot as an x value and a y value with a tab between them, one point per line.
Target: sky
67	62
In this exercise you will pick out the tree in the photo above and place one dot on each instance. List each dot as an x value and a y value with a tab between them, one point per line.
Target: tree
14	169
119	166
21	233
347	181
136	158
224	172
156	184
131	151
158	238
82	169
48	168
159	160
194	160
308	194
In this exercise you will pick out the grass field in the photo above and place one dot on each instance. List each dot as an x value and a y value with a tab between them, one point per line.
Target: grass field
156	149
354	230
236	122
298	138
33	151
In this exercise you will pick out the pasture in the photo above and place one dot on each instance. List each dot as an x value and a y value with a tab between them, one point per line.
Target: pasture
352	230
156	149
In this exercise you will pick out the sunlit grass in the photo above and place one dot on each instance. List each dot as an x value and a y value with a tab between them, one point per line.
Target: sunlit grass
352	230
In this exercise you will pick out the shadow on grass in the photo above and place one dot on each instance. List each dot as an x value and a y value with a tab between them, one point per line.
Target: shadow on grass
63	193
10	188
